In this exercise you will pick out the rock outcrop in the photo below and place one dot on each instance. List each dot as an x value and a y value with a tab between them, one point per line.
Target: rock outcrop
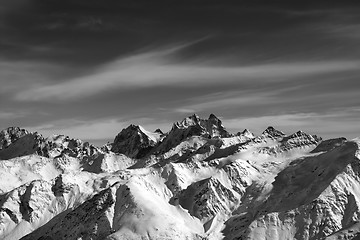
196	181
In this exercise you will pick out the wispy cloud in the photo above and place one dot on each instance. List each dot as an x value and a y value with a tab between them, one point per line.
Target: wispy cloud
258	124
160	68
340	122
11	115
248	97
98	129
350	31
184	110
212	102
76	23
20	76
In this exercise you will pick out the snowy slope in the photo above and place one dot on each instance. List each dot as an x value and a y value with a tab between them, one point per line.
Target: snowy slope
197	181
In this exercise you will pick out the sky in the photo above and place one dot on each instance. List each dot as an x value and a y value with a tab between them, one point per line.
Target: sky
89	68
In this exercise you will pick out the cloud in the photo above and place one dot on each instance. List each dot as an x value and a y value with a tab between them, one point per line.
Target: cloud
99	129
260	123
161	68
11	115
74	23
85	130
337	123
342	31
212	102
19	76
184	110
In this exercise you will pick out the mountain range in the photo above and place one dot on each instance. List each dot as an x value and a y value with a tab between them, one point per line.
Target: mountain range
196	181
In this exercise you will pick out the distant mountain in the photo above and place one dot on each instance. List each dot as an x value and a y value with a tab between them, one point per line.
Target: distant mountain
197	181
135	141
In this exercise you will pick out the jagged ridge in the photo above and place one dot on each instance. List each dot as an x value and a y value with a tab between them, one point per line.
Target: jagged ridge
196	181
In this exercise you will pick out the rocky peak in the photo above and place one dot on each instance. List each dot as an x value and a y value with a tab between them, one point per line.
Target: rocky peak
18	142
208	127
215	127
274	186
285	143
214	119
62	141
159	131
127	133
72	147
24	143
134	141
298	140
10	135
304	136
193	126
246	133
212	116
272	132
192	120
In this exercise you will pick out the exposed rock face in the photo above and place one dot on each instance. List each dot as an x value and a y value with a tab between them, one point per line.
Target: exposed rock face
310	199
272	132
195	182
206	198
25	144
10	135
88	221
19	142
215	127
329	144
193	126
159	131
298	140
58	145
32	204
246	133
135	142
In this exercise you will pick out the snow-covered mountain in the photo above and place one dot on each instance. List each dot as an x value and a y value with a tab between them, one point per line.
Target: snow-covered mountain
197	181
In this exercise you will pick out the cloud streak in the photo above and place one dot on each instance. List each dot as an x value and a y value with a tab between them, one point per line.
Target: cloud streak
118	62
327	125
221	100
11	115
158	68
94	130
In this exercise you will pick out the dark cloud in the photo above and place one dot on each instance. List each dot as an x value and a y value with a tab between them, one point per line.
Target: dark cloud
92	32
77	62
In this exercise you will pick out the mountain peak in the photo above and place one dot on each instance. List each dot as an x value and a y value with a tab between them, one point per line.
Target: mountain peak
13	129
211	126
193	126
10	135
305	137
188	121
135	141
271	131
158	130
246	133
133	127
299	134
194	182
212	116
214	119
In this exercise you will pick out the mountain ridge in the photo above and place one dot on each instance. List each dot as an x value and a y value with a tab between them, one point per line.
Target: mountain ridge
197	181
